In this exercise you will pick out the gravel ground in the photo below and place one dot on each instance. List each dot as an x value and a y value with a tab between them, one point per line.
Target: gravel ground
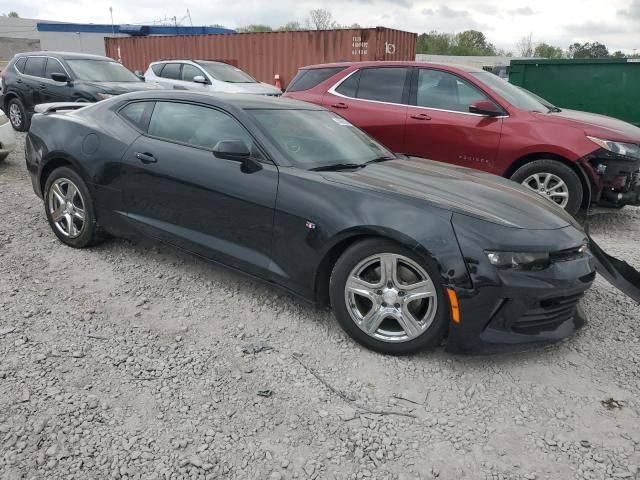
134	361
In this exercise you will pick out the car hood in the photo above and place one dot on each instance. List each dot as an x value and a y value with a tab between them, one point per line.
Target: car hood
459	189
254	88
124	87
594	124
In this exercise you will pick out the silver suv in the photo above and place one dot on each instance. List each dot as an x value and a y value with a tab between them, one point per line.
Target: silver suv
208	76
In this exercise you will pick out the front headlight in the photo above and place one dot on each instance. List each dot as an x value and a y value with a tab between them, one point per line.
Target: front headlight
519	260
630	150
104	96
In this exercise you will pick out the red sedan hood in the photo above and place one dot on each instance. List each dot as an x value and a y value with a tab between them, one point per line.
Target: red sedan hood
597	125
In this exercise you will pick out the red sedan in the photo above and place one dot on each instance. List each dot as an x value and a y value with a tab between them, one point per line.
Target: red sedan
472	118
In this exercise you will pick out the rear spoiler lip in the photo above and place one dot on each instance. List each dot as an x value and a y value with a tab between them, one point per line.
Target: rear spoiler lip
45	108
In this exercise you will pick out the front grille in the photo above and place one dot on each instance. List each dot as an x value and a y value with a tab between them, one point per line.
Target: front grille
547	315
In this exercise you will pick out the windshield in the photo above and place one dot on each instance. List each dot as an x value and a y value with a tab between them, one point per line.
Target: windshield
227	73
516	96
101	71
313	139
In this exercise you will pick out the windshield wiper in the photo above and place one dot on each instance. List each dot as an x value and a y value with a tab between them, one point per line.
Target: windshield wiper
337	166
554	110
381	159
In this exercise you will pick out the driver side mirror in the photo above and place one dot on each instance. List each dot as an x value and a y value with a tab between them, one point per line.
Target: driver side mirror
237	151
200	79
139	74
485	107
60	77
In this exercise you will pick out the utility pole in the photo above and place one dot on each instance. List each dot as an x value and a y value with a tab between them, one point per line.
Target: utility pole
113	28
175	21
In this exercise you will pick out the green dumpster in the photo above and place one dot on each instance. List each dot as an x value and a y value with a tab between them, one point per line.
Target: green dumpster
610	86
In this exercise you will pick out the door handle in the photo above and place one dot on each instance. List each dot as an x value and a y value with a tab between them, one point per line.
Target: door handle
421	116
43	85
340	105
146	158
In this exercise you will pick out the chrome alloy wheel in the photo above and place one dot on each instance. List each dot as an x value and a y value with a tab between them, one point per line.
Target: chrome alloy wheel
391	298
550	186
66	207
15	115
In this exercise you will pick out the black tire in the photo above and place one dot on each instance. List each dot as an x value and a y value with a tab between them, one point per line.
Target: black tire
350	259
555	167
21	123
89	233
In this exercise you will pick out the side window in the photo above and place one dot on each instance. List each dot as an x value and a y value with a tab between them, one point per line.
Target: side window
53	66
382	84
349	87
20	64
307	79
157	68
135	113
195	125
35	66
189	71
437	89
171	70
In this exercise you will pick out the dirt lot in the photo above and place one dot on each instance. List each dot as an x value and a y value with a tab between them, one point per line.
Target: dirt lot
134	361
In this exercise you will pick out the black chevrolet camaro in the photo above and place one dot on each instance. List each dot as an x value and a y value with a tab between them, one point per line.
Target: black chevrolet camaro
406	251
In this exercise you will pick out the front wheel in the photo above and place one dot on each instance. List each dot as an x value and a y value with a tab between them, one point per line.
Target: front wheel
388	298
553	180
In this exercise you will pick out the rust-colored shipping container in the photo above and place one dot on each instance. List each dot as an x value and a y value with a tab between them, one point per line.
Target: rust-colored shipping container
264	55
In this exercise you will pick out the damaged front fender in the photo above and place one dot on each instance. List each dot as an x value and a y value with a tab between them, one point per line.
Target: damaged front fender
617	272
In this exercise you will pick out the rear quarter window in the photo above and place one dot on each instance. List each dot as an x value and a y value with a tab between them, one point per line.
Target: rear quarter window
137	113
171	71
157	68
307	79
20	64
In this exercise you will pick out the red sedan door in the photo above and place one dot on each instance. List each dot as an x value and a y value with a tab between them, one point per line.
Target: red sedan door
375	100
440	127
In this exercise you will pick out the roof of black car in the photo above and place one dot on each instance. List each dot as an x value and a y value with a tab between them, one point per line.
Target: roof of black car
244	101
66	55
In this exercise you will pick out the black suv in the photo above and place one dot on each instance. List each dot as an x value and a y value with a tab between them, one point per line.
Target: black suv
45	77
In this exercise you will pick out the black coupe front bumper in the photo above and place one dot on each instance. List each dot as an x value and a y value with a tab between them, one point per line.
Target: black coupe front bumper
509	309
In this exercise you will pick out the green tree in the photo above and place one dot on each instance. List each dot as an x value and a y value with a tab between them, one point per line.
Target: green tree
618	54
13	15
254	28
544	50
472	42
435	43
217	25
588	50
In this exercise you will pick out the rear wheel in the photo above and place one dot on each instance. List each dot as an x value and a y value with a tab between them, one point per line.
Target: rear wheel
17	115
69	208
553	180
387	298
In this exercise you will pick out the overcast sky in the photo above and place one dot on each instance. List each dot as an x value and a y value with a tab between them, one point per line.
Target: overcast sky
616	23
